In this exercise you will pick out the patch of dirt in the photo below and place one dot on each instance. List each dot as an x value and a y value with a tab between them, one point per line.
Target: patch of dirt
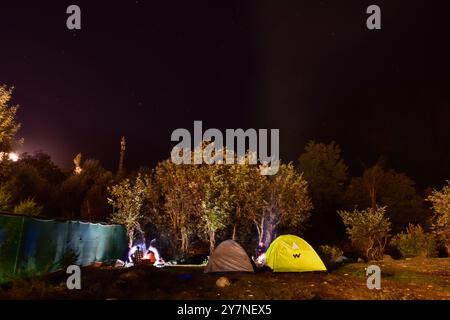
401	279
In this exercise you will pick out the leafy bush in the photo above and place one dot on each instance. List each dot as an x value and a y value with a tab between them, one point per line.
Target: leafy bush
368	230
440	200
28	208
5	199
415	242
330	254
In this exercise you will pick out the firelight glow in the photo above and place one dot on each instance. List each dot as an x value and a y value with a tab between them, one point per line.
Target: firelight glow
13	156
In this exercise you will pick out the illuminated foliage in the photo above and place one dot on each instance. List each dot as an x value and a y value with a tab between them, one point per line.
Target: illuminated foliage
415	242
217	201
8	123
440	200
181	188
286	203
28	208
368	230
246	186
127	199
396	191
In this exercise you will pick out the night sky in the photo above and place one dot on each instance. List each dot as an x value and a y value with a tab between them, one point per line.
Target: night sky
310	68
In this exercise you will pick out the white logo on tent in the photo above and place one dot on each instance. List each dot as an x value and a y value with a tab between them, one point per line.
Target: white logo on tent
295	246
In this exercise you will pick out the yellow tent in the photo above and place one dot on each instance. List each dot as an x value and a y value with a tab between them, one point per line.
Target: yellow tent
290	253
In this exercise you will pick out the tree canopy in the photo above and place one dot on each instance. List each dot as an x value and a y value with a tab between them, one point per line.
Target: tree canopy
396	191
440	200
8	123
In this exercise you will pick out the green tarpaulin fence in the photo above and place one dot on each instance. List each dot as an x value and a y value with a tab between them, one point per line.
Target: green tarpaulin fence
31	246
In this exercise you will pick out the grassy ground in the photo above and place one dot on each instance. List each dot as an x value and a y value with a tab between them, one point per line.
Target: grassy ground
401	279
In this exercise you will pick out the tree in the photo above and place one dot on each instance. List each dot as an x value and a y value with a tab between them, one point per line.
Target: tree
182	191
44	165
127	199
368	230
415	242
326	173
84	194
209	198
5	199
8	123
216	205
365	191
218	197
246	186
396	191
32	177
440	200
286	203
94	205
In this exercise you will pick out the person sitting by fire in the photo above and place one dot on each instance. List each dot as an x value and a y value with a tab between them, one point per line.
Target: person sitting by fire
131	253
150	256
159	261
137	256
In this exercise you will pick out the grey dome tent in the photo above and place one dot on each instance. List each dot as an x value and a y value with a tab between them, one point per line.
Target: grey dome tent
229	256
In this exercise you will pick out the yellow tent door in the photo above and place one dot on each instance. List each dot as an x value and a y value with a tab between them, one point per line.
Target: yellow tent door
289	253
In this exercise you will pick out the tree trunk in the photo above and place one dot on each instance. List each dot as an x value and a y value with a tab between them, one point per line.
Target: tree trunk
233	237
369	249
268	235
258	229
271	225
267	226
212	242
184	242
130	238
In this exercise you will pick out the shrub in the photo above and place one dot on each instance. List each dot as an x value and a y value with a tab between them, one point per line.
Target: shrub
28	208
330	254
368	230
415	242
440	200
5	199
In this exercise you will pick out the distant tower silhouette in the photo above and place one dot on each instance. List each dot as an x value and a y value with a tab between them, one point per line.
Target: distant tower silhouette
122	155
